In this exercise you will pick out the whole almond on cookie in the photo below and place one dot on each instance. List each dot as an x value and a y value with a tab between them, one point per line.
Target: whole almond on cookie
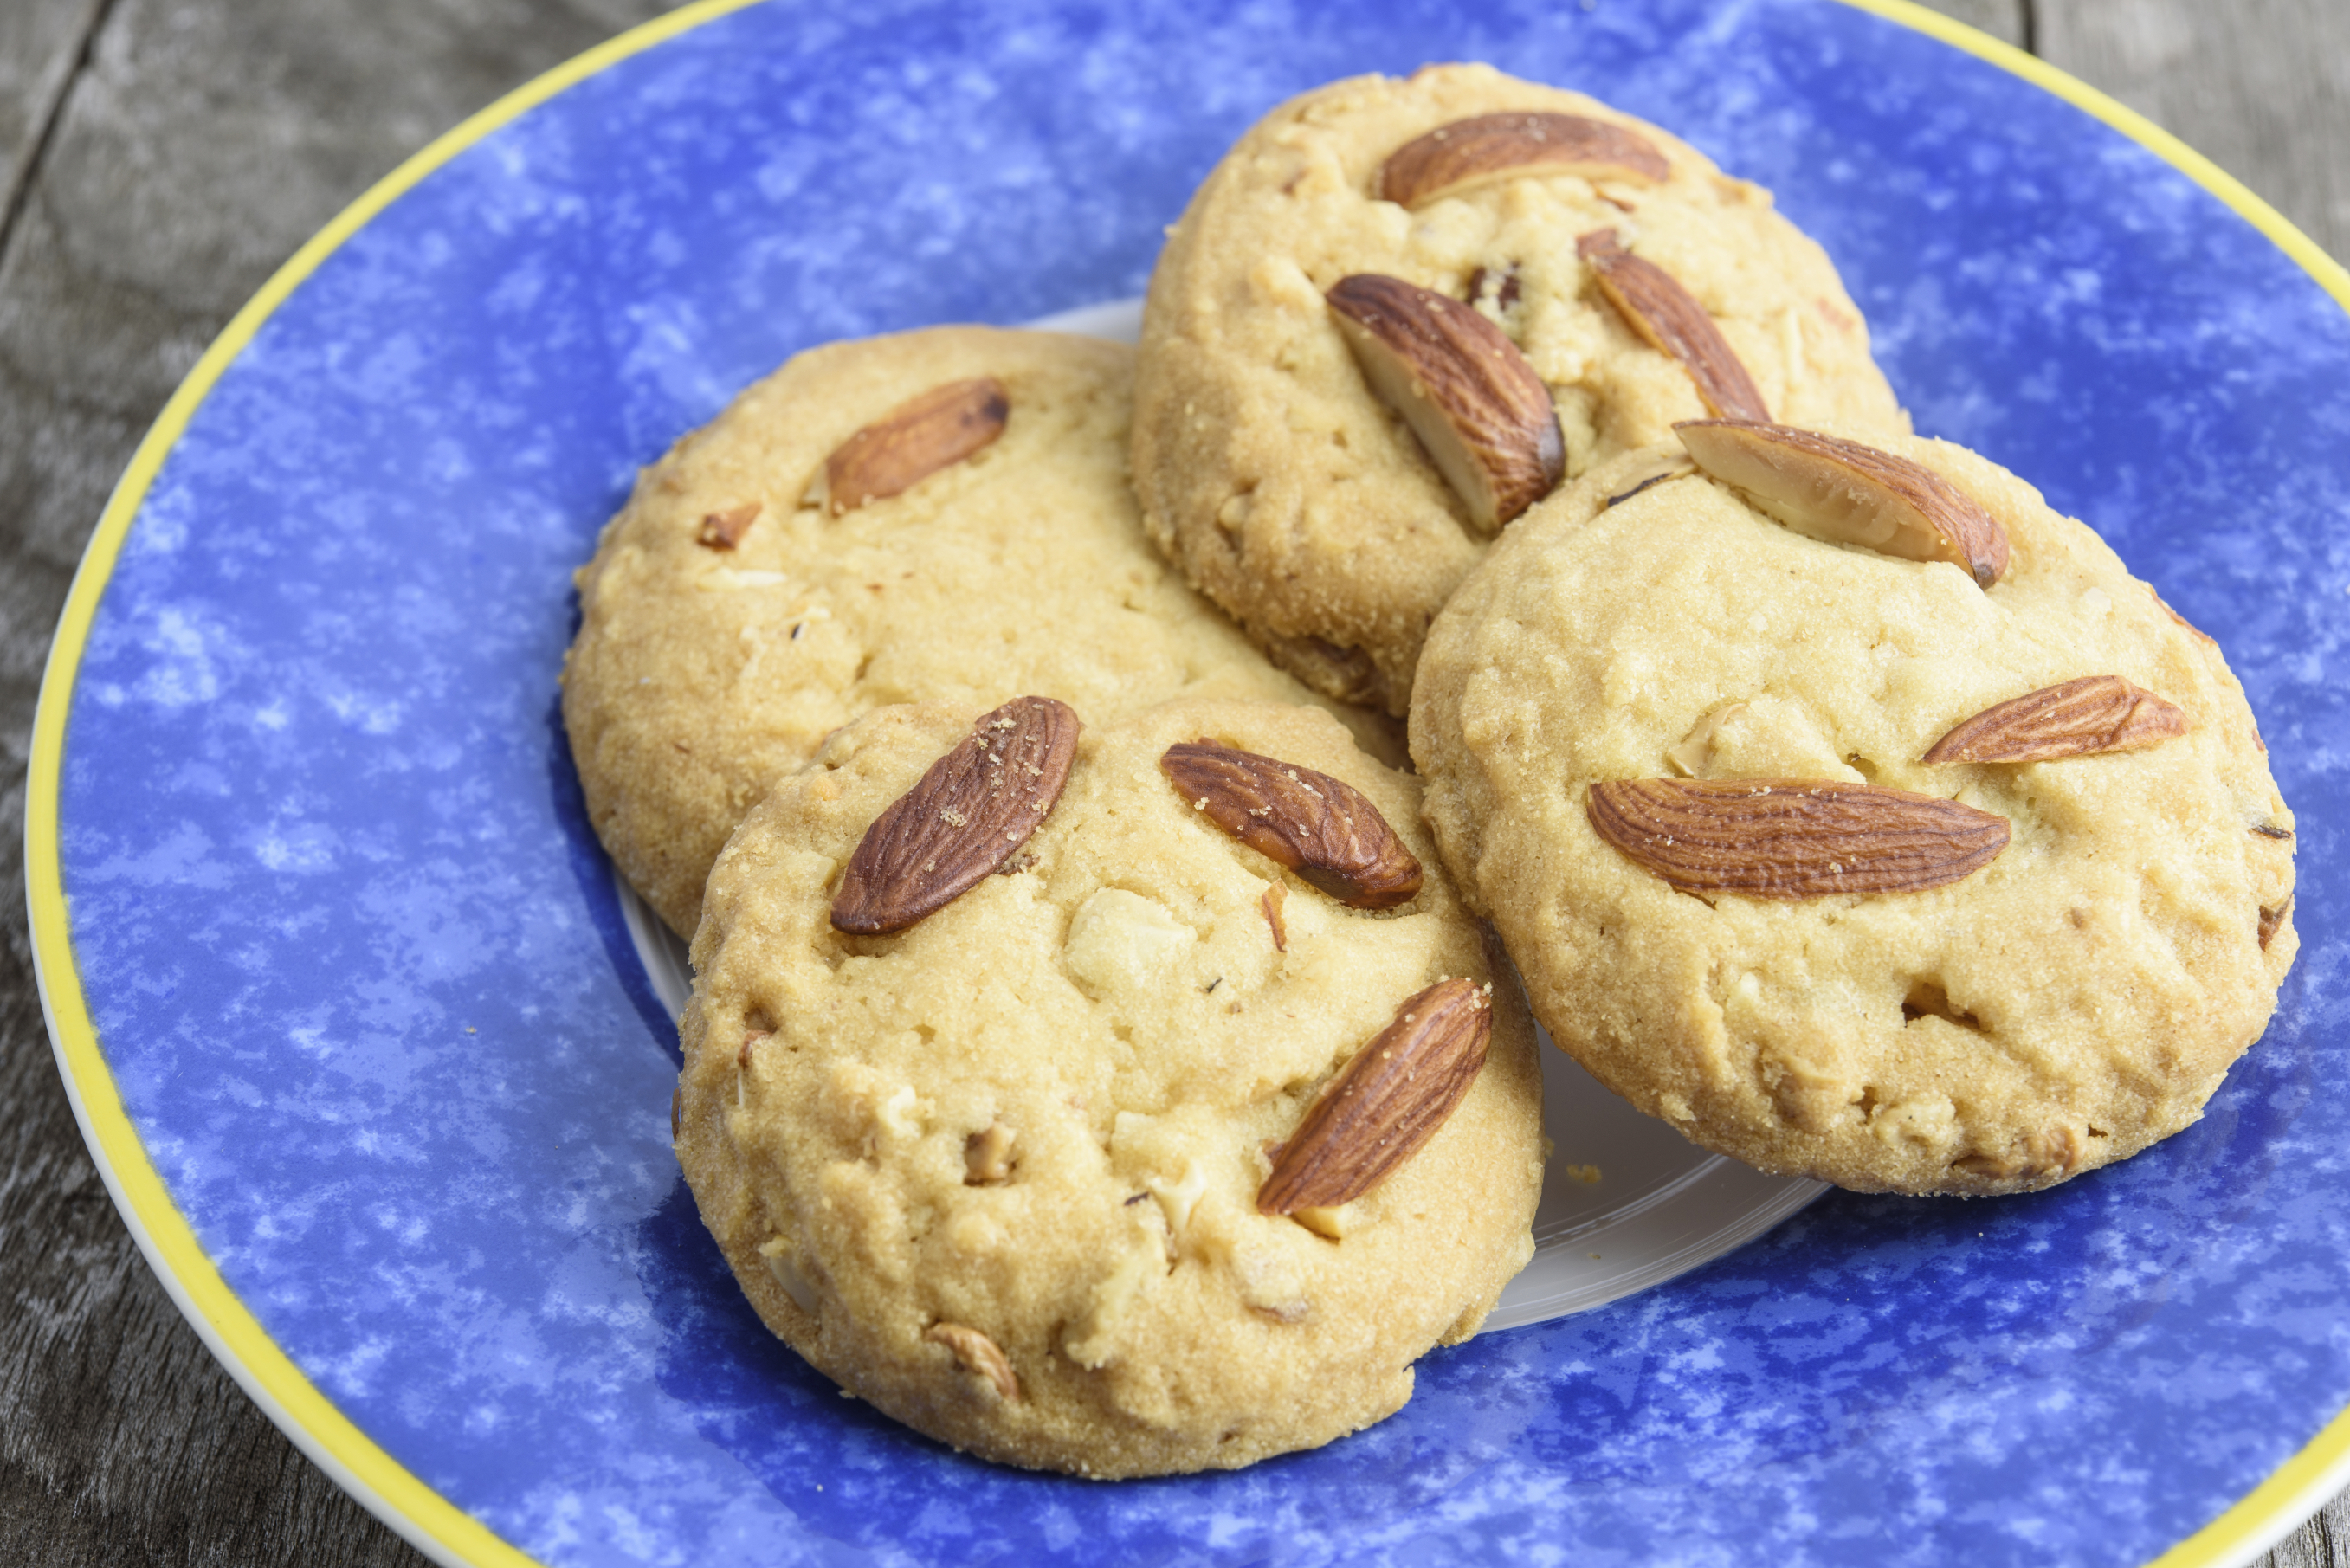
1793	838
1387	1102
970	814
913	441
1663	312
1322	828
2076	718
1470	153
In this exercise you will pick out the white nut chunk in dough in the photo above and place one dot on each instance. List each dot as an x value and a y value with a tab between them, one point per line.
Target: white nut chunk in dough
1122	942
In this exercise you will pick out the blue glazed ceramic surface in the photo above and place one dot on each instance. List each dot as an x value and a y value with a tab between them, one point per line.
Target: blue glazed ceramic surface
356	963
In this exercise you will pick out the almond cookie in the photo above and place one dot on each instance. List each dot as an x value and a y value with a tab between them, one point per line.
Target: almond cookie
1843	862
1529	241
1063	1172
939	514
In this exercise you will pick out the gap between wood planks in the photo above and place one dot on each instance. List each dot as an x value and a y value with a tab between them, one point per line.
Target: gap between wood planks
73	62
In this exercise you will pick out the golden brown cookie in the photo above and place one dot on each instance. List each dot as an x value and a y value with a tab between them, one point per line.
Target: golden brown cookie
1004	1173
1843	863
941	514
1294	494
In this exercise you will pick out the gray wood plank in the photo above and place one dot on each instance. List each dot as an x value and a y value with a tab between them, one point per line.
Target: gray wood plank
2260	86
2008	21
200	144
2313	1544
40	44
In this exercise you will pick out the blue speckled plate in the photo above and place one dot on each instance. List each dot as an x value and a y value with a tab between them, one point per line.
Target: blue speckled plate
342	994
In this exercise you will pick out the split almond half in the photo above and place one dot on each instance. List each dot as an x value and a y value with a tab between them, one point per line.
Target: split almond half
1325	829
913	441
1791	839
1850	494
1669	318
967	815
1491	148
1385	1103
1464	387
2075	719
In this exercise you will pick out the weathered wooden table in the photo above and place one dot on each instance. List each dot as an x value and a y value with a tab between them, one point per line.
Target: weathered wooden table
157	160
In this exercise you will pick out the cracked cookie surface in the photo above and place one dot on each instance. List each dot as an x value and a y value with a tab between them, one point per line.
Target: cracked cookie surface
2066	1004
730	620
998	1173
1291	494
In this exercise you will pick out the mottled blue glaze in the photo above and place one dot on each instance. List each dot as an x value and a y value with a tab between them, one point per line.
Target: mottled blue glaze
356	963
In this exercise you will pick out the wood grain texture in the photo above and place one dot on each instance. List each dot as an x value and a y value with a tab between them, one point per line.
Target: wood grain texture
2008	21
2261	88
195	145
41	44
191	147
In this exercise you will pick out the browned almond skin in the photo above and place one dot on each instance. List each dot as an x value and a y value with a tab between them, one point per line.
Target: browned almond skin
1791	839
1670	470
914	441
1504	289
967	815
2272	922
1654	305
725	530
1461	370
1274	897
2198	632
1325	829
1489	147
2075	719
1967	536
1385	1103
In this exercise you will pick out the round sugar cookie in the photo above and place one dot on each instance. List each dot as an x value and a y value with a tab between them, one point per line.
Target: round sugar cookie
2065	1004
735	612
999	1173
1291	493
